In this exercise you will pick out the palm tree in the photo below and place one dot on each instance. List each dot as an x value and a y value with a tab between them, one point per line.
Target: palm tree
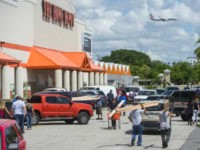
197	50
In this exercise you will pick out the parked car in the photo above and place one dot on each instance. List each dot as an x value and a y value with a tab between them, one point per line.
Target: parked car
154	98
55	89
59	107
11	136
143	94
150	118
160	91
105	88
96	93
172	88
132	91
180	99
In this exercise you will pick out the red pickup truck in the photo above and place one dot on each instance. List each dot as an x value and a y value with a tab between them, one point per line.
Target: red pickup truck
59	107
11	136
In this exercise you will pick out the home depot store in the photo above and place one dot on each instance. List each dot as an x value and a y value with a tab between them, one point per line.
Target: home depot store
43	40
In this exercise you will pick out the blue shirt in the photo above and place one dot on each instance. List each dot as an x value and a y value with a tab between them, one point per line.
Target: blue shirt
122	97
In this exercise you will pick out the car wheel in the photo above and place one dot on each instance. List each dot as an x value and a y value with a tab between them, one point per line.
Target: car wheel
83	118
69	121
35	119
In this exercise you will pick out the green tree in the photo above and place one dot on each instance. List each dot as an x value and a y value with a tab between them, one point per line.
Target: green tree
182	73
197	50
128	57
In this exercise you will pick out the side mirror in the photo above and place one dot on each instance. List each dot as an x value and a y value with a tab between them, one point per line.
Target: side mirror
13	146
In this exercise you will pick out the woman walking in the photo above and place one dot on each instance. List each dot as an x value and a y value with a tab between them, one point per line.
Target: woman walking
4	113
30	112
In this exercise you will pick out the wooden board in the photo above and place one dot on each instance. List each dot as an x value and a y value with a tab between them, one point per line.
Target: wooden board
131	107
84	98
134	107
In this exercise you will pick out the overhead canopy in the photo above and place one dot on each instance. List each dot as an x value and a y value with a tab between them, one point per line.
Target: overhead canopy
43	58
6	59
95	67
80	59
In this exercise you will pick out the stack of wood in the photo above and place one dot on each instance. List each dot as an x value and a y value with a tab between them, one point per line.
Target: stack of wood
132	107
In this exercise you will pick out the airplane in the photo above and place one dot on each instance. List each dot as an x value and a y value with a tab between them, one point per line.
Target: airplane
161	19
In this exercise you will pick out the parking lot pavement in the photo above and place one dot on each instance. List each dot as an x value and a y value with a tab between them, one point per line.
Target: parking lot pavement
97	136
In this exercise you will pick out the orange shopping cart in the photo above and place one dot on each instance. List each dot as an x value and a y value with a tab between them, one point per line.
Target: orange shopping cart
115	117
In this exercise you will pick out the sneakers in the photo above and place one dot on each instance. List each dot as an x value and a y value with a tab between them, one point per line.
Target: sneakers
132	143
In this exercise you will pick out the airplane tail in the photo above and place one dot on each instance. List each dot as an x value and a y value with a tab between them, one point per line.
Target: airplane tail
151	16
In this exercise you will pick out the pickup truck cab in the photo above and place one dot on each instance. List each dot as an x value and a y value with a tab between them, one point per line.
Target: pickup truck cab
59	107
10	136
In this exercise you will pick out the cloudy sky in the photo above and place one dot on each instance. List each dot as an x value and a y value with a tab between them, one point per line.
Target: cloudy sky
125	24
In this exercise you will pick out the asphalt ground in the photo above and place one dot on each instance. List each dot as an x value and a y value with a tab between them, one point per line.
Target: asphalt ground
57	135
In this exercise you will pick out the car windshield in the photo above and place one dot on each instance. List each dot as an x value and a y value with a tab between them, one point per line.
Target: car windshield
167	92
160	91
133	89
146	93
101	93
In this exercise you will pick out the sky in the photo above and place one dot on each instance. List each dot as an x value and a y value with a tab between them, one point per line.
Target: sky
125	24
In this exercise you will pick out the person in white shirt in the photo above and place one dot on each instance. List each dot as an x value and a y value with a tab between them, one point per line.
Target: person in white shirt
164	118
135	117
19	112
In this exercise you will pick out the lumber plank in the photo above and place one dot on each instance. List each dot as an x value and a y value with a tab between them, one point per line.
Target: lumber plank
131	107
83	98
134	107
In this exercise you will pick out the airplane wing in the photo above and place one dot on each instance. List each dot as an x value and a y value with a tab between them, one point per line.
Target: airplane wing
171	19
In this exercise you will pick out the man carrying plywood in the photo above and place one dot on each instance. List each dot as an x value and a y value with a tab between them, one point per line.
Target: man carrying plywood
135	117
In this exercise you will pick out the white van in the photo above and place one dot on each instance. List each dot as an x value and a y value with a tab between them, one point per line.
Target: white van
105	88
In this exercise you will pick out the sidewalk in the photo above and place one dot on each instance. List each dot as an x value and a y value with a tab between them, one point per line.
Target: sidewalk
193	141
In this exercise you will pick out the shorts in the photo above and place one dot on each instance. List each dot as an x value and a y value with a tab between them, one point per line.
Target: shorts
99	110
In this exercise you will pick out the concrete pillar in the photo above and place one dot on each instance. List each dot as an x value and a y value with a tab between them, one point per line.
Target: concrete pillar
80	79
105	79
96	78
5	83
58	78
67	82
19	81
101	78
91	78
167	76
74	80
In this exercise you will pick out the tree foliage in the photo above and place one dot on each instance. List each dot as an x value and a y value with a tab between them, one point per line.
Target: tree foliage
142	66
128	57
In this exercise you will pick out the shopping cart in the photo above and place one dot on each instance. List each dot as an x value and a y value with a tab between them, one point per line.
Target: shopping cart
115	117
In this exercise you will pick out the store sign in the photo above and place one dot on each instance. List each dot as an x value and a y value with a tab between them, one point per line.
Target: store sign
56	15
87	46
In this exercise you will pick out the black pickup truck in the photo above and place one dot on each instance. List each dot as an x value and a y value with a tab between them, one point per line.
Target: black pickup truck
180	99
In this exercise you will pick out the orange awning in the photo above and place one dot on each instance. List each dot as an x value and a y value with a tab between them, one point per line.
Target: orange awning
43	58
95	67
6	59
80	59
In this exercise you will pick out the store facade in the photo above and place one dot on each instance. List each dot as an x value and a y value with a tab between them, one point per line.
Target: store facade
45	40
